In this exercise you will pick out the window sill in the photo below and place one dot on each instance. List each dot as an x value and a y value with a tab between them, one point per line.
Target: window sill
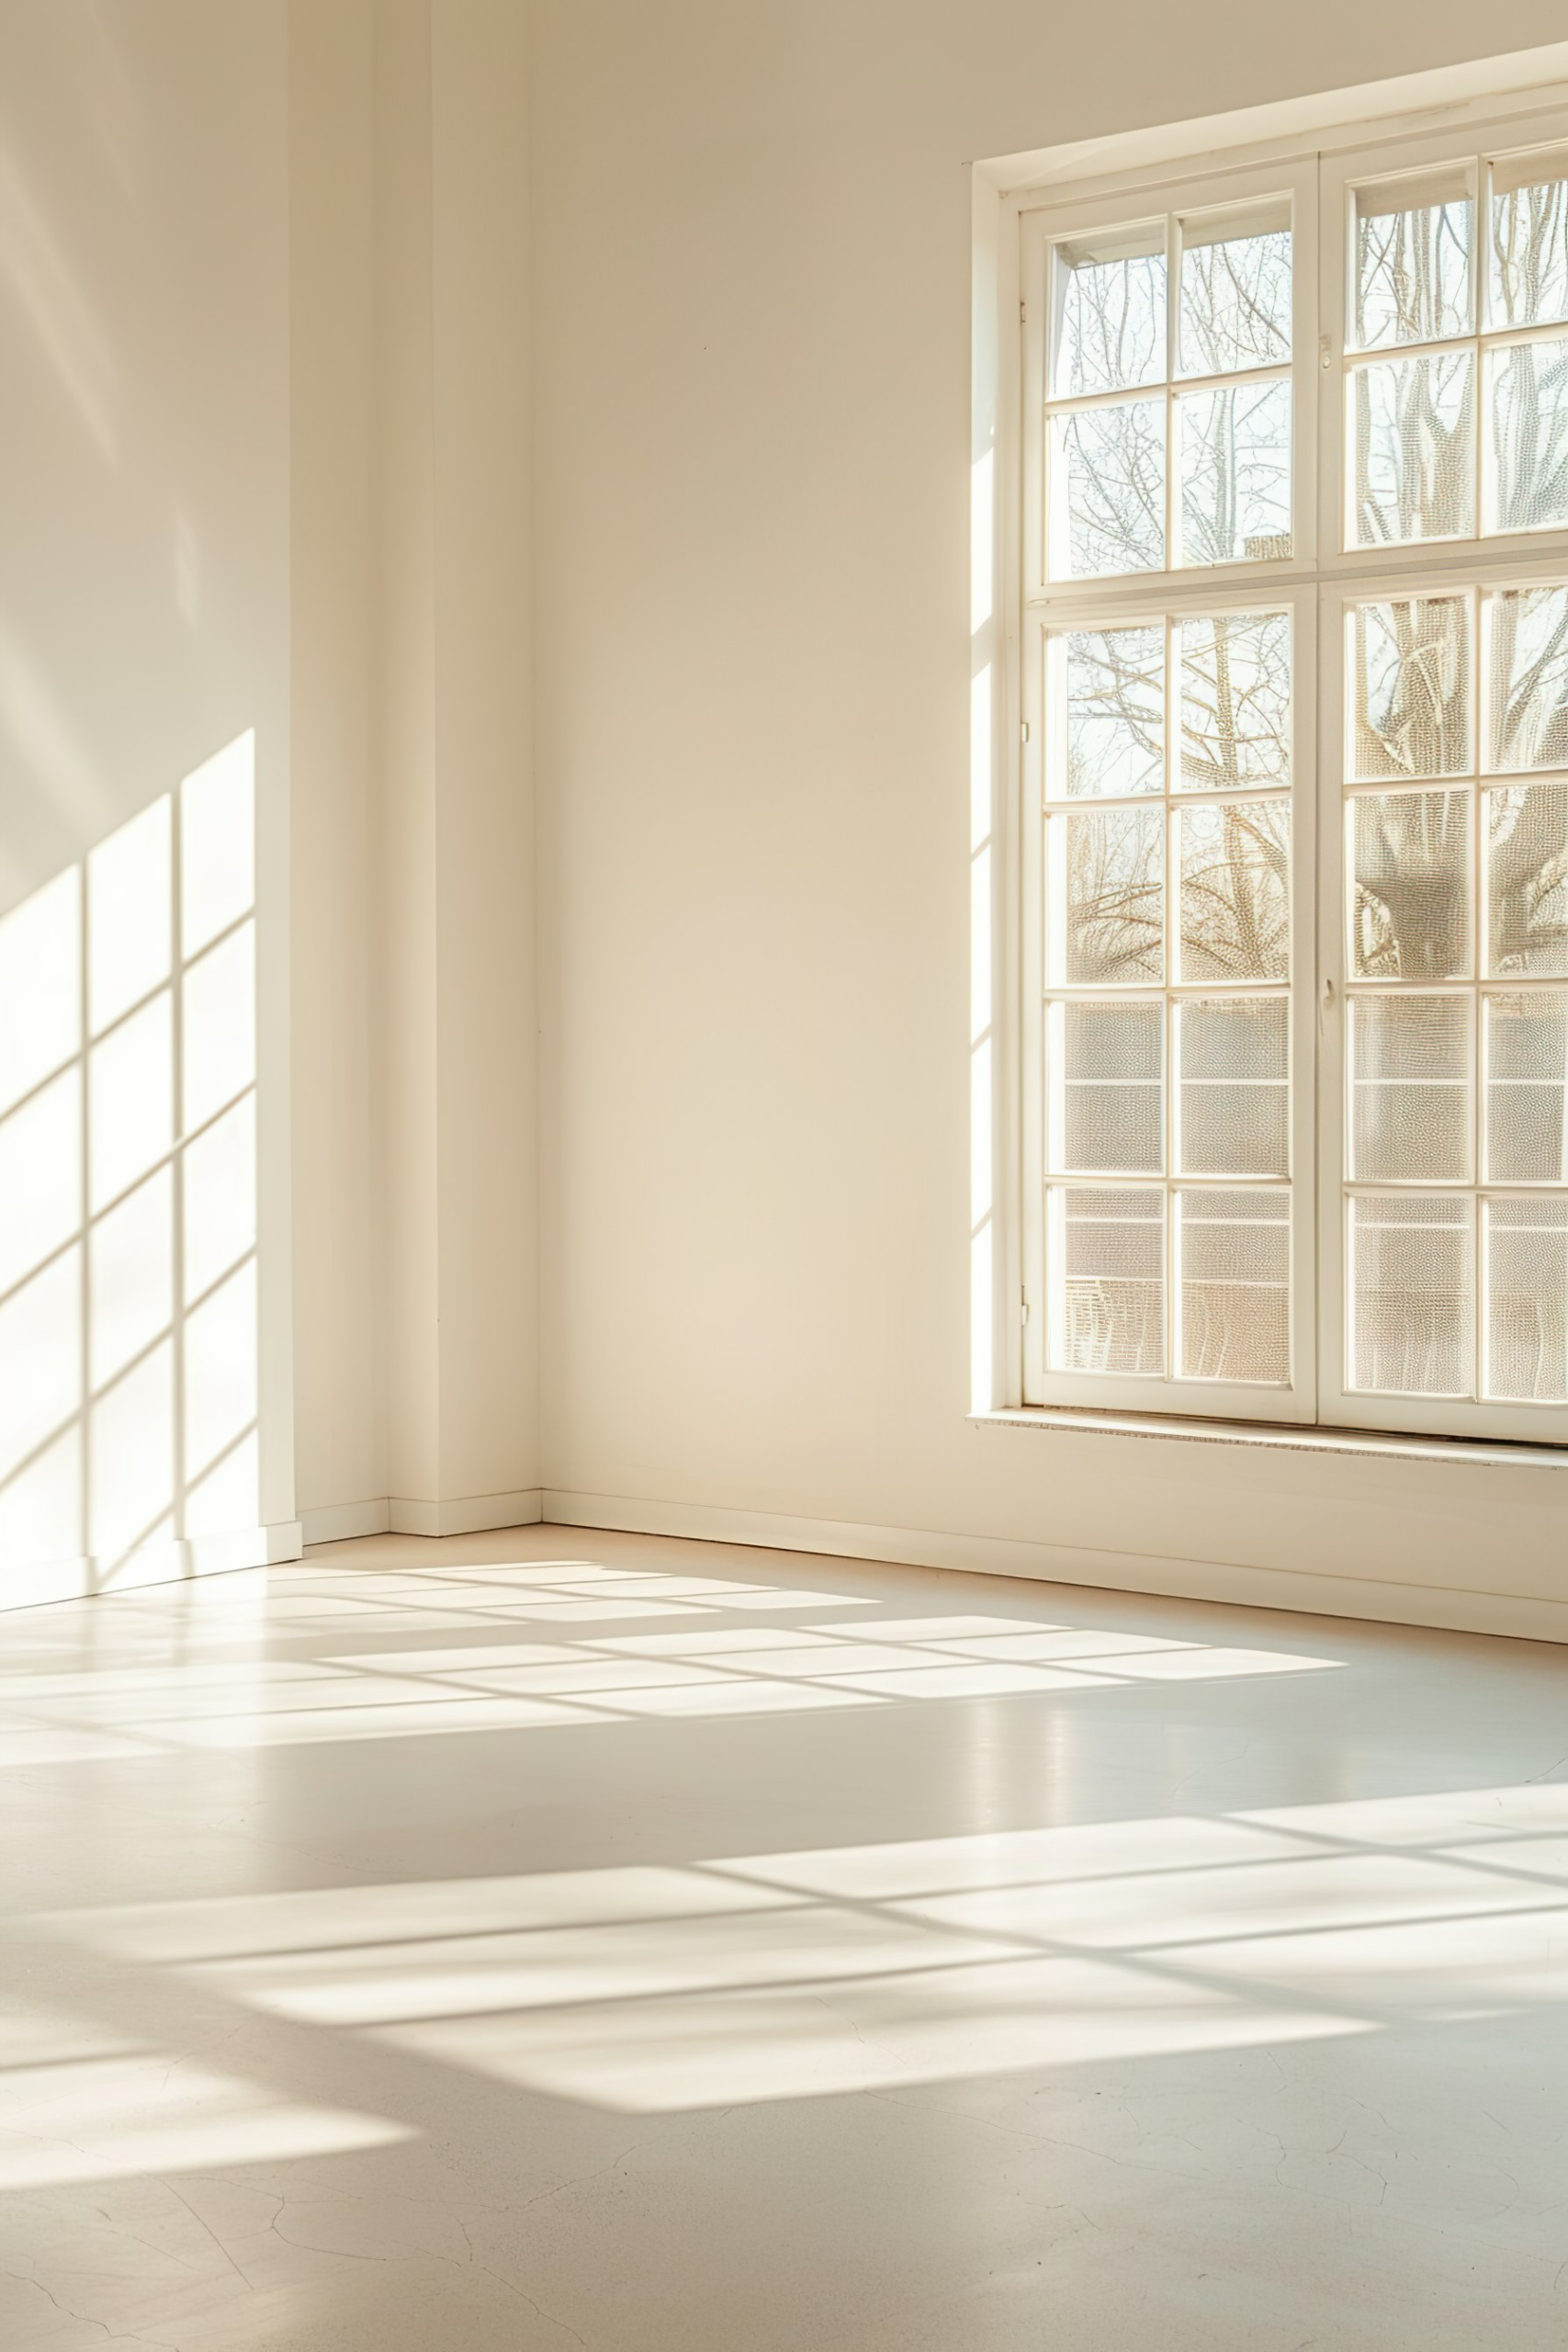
1383	1445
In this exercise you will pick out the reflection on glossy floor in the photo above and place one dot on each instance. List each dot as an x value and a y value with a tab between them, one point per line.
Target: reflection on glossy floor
551	1937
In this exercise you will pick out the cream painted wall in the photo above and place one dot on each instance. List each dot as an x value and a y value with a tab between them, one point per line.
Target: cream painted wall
339	1215
144	408
752	443
455	711
414	1012
144	627
263	447
268	268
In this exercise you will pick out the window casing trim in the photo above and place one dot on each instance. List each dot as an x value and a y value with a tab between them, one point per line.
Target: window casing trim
1317	580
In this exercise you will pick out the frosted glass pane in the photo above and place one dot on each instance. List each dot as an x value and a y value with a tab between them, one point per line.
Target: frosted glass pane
1413	247
1234	1066
1113	681
1526	1298
1235	1259
1410	1089
1410	886
1236	474
1108	879
1236	701
1108	1308
1526	472
1236	891
1107	490
1113	294
1526	832
1410	662
1530	242
1108	1092
1413	448
1235	299
1527	1076
1412	1295
1527	678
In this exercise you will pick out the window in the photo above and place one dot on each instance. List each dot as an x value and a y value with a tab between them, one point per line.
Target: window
1292	788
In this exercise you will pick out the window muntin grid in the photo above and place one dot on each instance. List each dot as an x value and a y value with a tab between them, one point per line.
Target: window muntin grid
1455	376
1169	402
1456	1036
1523	783
1167	878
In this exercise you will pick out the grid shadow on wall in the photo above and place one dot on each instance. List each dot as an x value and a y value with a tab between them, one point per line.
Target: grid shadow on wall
128	1191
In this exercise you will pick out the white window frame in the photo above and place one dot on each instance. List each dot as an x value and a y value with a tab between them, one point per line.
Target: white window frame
1340	172
1318	581
1044	226
1168	1393
1339	1405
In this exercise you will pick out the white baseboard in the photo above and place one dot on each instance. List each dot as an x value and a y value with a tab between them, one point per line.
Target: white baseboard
410	1515
338	1522
1523	1616
245	1547
30	1583
466	1514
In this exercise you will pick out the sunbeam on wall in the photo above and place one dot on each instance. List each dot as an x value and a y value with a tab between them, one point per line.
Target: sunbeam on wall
128	1199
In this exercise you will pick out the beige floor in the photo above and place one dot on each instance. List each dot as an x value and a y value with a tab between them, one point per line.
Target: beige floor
551	1939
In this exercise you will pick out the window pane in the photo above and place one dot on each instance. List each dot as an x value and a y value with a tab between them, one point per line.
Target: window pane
1108	494
1526	858
1113	331
1235	1257
1107	1258
1234	1060
1236	474
1412	1295
1236	297
1530	240
1413	241
1410	886
1526	1298
1108	1102
1527	1074
1413	448
1114	683
1528	678
1236	701
1410	1089
1107	879
1410	694
1526	474
1236	893
1106	1093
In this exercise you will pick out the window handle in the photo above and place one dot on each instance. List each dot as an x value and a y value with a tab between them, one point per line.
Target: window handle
1326	1007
